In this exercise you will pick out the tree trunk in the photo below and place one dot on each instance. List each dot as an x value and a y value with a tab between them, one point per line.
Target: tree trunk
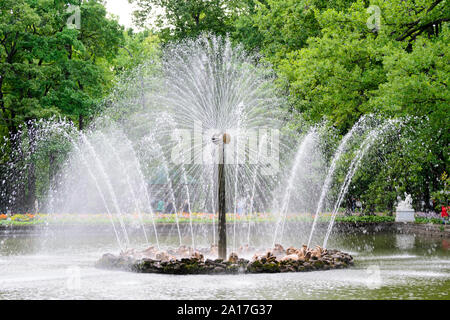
80	122
31	172
51	169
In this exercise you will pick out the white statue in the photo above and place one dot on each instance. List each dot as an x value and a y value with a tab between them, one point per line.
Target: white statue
405	211
405	205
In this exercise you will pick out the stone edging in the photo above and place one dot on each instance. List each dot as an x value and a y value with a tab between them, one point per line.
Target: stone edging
332	259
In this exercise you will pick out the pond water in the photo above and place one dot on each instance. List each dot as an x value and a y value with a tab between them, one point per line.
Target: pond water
387	266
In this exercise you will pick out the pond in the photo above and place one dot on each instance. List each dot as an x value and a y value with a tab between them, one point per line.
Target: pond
61	266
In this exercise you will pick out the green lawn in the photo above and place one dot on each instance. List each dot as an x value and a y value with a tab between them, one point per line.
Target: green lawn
159	218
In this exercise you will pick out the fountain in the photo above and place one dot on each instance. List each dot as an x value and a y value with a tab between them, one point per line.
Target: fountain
206	130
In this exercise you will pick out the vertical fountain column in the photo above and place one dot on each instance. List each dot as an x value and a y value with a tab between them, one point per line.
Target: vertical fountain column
221	197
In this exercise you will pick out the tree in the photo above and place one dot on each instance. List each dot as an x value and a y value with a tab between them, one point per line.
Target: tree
187	18
280	27
137	48
397	70
48	68
417	86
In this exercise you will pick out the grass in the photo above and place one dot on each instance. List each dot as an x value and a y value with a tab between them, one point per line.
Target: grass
159	218
423	220
366	219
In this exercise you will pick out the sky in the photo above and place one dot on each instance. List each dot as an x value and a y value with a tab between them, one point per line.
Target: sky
122	9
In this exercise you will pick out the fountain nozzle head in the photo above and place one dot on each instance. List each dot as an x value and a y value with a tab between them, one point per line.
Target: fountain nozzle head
225	138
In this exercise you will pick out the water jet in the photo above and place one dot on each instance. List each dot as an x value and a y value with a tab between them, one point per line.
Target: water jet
209	133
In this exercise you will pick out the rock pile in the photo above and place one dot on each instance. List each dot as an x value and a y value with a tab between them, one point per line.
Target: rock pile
184	260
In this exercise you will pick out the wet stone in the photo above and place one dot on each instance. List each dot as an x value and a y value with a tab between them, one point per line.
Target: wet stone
266	263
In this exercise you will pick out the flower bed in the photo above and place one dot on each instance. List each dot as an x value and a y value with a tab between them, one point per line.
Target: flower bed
21	219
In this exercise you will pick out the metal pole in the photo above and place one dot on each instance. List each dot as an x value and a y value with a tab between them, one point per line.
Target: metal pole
221	203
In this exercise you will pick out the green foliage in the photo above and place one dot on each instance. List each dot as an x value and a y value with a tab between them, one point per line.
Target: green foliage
47	68
277	28
137	48
365	219
400	69
442	197
330	60
187	18
423	220
284	25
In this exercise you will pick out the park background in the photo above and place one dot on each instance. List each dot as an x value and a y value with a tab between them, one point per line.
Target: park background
335	61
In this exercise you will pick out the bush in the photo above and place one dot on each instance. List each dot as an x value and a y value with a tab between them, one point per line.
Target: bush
366	219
